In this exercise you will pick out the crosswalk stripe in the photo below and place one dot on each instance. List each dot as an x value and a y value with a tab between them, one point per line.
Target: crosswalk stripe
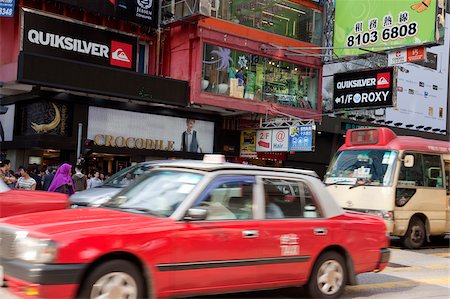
393	269
442	254
396	284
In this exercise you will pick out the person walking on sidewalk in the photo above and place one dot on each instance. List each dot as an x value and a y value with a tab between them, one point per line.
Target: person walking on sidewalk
79	179
62	182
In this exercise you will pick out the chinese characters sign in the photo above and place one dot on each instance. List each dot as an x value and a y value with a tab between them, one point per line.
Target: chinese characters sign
300	138
248	144
382	24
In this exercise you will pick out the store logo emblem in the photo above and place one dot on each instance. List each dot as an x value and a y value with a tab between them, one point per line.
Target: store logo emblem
383	80
145	4
121	54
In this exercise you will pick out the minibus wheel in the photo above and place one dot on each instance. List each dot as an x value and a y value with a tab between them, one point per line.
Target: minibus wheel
415	235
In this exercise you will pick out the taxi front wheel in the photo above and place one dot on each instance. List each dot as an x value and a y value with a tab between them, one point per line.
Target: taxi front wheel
113	279
328	277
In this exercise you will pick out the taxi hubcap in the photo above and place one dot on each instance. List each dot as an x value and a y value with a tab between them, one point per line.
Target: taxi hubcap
116	285
330	277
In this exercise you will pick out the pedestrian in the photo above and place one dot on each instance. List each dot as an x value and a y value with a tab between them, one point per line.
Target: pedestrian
102	176
47	178
95	181
79	179
26	182
34	173
62	182
5	174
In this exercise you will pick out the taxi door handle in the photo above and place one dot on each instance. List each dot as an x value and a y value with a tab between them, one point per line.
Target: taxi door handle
250	234
320	231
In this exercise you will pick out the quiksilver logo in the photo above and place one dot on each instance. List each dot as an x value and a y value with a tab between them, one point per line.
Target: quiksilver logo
67	43
119	54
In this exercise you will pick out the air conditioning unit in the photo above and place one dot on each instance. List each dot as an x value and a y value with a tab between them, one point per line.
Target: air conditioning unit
205	7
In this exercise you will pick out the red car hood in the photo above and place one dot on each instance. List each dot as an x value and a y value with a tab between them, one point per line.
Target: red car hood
15	202
78	221
368	223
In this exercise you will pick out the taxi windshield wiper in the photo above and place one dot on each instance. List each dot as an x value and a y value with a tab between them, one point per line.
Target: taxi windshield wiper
337	183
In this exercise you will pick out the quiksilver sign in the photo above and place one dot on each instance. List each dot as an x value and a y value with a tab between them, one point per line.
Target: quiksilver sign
364	89
73	40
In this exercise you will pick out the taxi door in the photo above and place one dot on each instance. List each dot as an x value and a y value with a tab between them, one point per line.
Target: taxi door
292	232
219	252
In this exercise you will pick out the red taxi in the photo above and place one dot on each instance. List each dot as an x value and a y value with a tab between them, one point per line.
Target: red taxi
15	202
189	228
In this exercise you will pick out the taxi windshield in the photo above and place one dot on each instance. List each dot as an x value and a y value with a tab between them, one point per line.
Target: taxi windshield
369	166
158	193
126	176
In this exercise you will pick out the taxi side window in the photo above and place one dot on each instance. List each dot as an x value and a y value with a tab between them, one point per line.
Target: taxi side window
286	199
228	201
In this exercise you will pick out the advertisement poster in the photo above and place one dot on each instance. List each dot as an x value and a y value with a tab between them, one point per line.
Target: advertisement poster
364	89
7	8
264	140
280	140
301	138
380	24
248	144
118	128
421	90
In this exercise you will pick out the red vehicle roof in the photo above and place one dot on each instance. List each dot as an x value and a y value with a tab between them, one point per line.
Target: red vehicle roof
387	139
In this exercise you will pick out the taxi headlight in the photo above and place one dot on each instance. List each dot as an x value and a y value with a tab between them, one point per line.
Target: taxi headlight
35	250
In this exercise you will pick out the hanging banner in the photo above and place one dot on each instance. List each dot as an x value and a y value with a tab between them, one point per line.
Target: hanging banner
264	141
248	144
280	140
301	138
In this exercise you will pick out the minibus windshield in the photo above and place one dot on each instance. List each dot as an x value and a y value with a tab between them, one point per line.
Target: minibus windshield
369	167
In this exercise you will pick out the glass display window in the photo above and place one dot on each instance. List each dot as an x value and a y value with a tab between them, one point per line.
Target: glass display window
247	76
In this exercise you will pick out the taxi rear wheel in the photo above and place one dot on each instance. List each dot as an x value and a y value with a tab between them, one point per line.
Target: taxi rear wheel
328	277
113	279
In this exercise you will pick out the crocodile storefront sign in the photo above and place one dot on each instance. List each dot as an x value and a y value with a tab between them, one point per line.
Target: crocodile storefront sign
135	130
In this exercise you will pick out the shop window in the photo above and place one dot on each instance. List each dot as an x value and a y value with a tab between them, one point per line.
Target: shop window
280	17
247	76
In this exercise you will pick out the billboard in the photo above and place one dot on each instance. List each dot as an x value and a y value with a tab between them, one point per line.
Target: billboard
63	38
421	90
248	144
382	24
364	89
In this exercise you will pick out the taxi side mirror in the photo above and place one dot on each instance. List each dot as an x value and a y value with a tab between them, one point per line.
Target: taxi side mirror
196	214
408	161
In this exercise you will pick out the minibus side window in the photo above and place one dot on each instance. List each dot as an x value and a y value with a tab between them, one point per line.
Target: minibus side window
412	176
433	171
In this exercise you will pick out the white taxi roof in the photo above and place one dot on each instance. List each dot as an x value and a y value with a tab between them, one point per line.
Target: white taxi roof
205	166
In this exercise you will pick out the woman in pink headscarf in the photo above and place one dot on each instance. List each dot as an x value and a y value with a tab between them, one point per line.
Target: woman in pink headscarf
62	182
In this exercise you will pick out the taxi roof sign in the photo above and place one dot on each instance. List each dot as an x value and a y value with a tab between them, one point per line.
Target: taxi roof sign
214	158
